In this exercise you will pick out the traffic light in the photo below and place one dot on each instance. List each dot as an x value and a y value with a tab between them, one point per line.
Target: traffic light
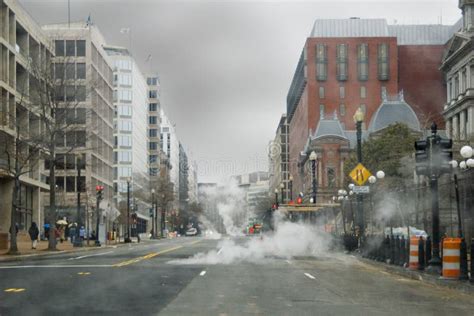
99	189
422	157
445	154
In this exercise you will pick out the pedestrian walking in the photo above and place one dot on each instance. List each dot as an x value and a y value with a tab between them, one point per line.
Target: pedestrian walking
46	231
33	231
73	232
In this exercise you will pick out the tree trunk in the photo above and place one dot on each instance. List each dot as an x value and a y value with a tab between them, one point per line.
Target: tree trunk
13	240
52	198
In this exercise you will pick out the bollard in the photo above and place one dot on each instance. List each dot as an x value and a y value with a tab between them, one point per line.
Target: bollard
428	250
413	257
463	275
392	250
403	251
421	254
472	261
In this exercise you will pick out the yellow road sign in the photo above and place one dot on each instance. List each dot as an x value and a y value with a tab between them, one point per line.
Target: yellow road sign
360	174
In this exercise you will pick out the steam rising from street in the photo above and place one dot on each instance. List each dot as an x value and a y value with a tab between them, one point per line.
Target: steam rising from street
287	241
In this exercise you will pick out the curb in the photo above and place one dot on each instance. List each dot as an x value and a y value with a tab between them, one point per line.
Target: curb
459	285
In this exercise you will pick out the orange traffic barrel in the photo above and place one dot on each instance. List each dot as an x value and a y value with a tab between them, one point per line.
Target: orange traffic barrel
451	258
413	262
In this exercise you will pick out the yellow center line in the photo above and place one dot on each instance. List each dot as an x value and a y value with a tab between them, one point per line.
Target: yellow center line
14	290
148	256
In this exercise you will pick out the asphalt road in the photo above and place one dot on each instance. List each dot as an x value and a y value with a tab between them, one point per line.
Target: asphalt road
140	280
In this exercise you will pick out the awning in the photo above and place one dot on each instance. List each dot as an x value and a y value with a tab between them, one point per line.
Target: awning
318	207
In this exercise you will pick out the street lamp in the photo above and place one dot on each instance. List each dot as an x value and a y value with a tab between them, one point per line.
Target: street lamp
313	157
291	187
127	240
276	197
154	224
359	119
282	187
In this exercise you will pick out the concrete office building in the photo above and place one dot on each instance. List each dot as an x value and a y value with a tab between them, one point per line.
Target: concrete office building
79	53
22	44
170	148
278	161
130	133
154	123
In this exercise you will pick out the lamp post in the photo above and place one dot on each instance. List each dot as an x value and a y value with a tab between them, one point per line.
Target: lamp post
153	207
466	153
290	183
276	198
282	187
313	157
359	119
163	216
127	240
77	240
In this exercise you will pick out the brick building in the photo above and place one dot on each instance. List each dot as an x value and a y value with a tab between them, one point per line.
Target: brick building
354	63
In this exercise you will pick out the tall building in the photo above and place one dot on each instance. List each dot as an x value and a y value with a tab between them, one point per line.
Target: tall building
154	123
390	72
183	179
458	68
130	133
79	53
170	148
192	182
21	41
278	161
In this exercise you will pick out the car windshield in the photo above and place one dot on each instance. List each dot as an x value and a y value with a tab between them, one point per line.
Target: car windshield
236	157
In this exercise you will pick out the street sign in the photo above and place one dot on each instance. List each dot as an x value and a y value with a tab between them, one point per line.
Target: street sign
361	189
360	174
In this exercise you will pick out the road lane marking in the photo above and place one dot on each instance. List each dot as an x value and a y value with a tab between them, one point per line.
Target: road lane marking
288	261
310	276
148	256
202	273
94	255
220	250
14	290
59	266
83	273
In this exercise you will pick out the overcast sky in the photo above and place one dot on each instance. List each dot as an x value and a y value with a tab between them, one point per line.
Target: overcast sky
226	66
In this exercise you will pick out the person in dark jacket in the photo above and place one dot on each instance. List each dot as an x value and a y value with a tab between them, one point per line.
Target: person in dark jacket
34	233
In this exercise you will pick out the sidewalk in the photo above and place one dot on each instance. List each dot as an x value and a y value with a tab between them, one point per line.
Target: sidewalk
422	276
25	251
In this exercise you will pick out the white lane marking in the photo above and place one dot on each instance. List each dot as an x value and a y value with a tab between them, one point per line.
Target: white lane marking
310	276
288	261
59	266
202	273
94	255
219	252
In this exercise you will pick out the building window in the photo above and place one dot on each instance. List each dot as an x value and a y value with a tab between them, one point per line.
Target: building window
153	172
342	92
342	109
70	48
383	62
125	126
152	81
125	110
70	71
81	71
153	145
80	116
125	79
341	70
463	81
59	71
363	62
81	93
153	132
321	110
125	95
125	141
70	93
59	48
124	156
81	184
153	158
363	92
80	48
70	184
456	86
152	107
331	177
321	62
152	94
321	93
153	120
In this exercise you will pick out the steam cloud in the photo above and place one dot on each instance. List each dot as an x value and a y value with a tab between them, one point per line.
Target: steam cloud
287	241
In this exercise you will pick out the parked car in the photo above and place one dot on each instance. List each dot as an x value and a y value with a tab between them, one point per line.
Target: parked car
191	232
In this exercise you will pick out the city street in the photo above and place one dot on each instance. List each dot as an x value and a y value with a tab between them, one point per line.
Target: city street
139	279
